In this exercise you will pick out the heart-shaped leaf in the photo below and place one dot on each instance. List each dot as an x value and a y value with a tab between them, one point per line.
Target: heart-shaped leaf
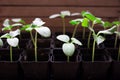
76	41
38	22
85	22
63	38
65	13
43	31
88	15
14	33
13	42
100	39
68	49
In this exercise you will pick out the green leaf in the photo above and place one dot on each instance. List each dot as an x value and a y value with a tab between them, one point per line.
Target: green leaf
72	22
1	42
63	38
88	15
106	24
100	39
76	41
7	28
7	35
97	20
68	49
85	22
116	22
25	27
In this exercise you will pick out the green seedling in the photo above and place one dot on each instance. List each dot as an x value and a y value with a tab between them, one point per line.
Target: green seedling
12	40
63	14
98	38
92	21
37	26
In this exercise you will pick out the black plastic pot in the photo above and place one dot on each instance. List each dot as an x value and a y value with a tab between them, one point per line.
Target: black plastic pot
115	68
63	70
9	70
97	70
35	70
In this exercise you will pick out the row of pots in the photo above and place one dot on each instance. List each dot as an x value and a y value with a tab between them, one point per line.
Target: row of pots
52	65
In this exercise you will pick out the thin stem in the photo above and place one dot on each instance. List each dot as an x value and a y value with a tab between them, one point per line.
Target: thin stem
118	53
74	32
116	38
83	36
63	21
68	58
32	38
35	47
93	51
115	44
88	44
11	59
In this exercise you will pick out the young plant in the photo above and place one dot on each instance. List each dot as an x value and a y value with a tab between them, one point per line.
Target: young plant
37	26
13	23
98	38
117	32
63	14
12	40
68	47
92	21
117	23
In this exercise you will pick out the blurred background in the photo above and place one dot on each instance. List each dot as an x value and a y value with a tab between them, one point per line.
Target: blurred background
29	9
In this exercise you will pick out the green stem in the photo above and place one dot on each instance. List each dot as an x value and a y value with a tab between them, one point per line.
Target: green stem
32	38
35	47
68	58
93	51
88	44
115	44
74	32
116	38
11	59
83	36
63	21
118	53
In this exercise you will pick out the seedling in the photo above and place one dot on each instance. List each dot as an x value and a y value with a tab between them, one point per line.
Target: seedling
117	32
68	47
37	26
117	23
98	38
92	19
63	14
12	40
